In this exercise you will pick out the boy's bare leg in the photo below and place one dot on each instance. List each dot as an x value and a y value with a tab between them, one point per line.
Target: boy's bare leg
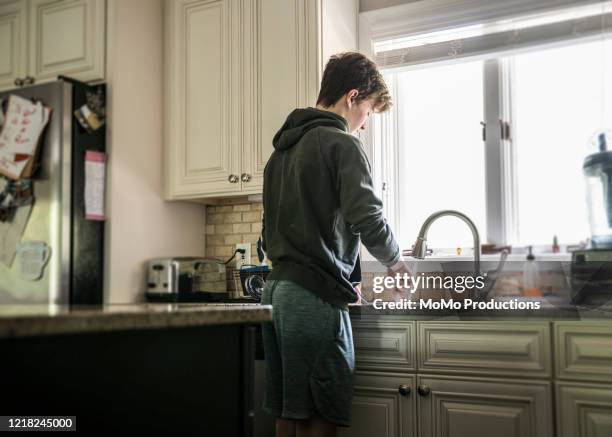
285	428
315	427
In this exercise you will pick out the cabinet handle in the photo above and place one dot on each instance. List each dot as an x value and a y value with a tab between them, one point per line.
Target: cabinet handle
233	179
29	80
404	390
18	82
245	177
423	390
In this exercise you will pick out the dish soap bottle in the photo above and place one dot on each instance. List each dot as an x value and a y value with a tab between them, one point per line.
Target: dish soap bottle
531	277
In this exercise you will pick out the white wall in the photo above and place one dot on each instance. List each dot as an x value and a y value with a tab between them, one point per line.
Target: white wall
339	35
141	224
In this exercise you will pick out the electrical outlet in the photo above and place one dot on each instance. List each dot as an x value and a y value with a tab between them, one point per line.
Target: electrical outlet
243	259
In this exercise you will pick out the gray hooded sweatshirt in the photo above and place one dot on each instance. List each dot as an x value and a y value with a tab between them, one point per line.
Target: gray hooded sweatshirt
319	203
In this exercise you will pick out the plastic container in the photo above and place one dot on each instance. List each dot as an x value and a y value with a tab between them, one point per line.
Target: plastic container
597	170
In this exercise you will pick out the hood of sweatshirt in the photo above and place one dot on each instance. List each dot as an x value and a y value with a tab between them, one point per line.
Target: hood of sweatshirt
301	121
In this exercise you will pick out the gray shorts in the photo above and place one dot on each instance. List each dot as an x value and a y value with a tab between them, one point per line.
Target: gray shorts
309	356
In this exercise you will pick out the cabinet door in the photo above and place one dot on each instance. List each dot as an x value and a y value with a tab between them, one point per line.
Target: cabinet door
584	410
13	22
468	407
281	74
200	106
67	37
383	406
584	350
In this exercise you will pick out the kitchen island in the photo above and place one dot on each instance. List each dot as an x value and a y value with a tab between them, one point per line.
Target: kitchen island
42	320
168	368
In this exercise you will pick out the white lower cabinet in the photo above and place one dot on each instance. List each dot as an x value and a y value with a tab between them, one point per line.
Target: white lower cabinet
456	379
468	407
391	405
383	406
584	350
584	409
583	390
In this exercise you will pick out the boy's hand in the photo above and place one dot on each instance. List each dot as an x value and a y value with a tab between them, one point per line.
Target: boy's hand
399	268
360	299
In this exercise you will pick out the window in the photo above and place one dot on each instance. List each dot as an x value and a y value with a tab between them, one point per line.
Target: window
440	146
561	97
541	85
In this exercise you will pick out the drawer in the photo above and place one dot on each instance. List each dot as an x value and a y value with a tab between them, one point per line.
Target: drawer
482	348
386	346
584	409
584	350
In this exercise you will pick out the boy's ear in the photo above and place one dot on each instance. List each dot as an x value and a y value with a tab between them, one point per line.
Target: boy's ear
352	97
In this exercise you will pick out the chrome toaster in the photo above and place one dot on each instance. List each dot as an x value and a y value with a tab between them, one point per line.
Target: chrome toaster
185	275
169	275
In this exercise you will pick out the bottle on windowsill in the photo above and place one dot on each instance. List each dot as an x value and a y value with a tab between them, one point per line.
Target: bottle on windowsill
555	246
531	277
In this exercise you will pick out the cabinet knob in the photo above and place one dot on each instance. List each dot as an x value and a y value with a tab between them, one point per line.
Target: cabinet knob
18	82
245	177
404	390
29	80
423	390
232	179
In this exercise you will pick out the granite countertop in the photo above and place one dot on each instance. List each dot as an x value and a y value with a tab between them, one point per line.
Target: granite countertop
36	320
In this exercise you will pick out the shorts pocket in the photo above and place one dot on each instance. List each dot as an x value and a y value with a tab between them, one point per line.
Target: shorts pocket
268	291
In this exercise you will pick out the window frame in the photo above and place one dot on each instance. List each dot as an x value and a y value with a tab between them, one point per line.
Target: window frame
500	153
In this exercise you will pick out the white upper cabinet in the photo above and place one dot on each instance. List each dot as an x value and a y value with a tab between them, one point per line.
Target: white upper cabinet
200	98
13	37
67	37
232	79
41	39
282	76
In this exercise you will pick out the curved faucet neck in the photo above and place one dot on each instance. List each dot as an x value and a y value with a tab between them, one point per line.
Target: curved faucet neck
420	247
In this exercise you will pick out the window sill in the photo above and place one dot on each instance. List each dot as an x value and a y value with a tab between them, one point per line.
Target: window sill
516	259
494	257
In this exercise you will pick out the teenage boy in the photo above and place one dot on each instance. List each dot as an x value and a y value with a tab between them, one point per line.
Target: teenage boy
319	203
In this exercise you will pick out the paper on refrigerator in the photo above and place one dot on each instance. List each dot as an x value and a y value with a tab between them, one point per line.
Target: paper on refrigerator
95	176
24	122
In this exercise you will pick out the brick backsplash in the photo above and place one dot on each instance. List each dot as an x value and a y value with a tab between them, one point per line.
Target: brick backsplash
230	224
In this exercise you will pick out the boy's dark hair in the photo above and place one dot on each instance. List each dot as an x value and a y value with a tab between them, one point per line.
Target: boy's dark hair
352	70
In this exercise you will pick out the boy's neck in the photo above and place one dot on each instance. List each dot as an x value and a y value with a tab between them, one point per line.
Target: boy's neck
337	109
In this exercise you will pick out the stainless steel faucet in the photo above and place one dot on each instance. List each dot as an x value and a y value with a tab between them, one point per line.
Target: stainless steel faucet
420	247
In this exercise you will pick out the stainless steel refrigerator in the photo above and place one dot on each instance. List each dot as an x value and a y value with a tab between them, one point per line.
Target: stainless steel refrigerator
74	272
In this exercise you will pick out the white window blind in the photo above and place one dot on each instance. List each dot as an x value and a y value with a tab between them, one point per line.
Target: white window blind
527	32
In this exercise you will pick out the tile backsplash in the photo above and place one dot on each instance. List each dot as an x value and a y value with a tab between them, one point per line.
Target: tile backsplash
230	223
